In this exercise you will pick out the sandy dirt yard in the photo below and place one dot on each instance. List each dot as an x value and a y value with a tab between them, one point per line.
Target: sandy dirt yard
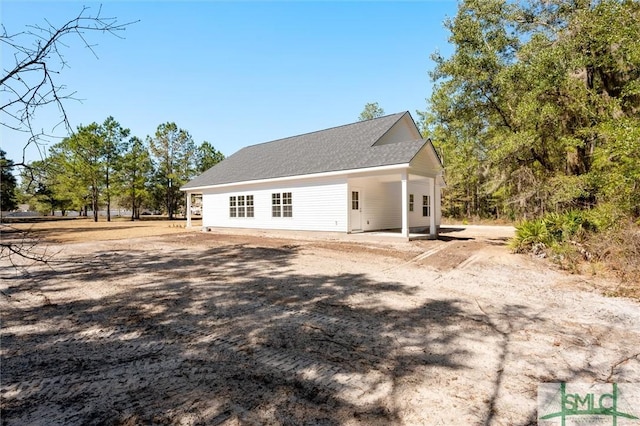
126	327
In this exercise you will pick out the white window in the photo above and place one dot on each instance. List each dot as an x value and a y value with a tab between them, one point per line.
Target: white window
240	205
426	205
232	206
276	205
281	205
287	205
410	202
249	205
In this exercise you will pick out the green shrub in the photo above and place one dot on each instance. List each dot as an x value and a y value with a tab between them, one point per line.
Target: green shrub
554	229
554	222
528	234
572	225
603	237
605	217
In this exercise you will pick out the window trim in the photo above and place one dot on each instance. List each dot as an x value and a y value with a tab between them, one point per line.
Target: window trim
233	209
241	206
426	206
287	207
250	207
276	204
282	204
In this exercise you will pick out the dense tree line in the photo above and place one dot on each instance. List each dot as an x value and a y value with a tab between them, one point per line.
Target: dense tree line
538	108
102	163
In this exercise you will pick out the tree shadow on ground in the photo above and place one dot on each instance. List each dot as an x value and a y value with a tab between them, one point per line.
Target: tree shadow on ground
209	335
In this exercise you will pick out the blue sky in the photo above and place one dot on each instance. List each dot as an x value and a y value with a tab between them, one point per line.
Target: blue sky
241	73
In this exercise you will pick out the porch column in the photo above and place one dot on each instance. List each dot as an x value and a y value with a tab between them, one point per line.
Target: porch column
433	232
188	210
405	204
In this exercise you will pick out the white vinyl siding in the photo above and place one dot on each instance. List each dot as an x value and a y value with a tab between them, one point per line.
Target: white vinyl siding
381	202
424	163
319	204
421	189
314	204
377	212
403	130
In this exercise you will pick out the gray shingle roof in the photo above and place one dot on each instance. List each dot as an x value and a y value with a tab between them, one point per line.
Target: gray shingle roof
340	148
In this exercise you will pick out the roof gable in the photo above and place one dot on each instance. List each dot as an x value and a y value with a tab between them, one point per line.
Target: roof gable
403	130
426	161
348	147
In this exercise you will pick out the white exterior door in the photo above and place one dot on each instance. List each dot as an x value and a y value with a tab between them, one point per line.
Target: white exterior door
355	210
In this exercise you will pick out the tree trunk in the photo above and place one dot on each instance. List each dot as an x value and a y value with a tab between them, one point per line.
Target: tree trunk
94	203
169	202
133	204
108	197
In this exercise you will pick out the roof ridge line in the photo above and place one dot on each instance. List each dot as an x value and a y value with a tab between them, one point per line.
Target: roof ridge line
324	130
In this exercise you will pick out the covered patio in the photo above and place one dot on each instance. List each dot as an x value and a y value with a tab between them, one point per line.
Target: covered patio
405	203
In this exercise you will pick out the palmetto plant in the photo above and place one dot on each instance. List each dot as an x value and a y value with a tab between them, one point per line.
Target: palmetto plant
530	233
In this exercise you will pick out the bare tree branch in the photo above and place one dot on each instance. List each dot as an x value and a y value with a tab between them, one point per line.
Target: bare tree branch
31	83
23	245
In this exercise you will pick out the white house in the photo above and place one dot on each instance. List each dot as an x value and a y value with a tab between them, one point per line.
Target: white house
371	175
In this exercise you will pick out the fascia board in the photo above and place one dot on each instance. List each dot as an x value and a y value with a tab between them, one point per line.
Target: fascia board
350	172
